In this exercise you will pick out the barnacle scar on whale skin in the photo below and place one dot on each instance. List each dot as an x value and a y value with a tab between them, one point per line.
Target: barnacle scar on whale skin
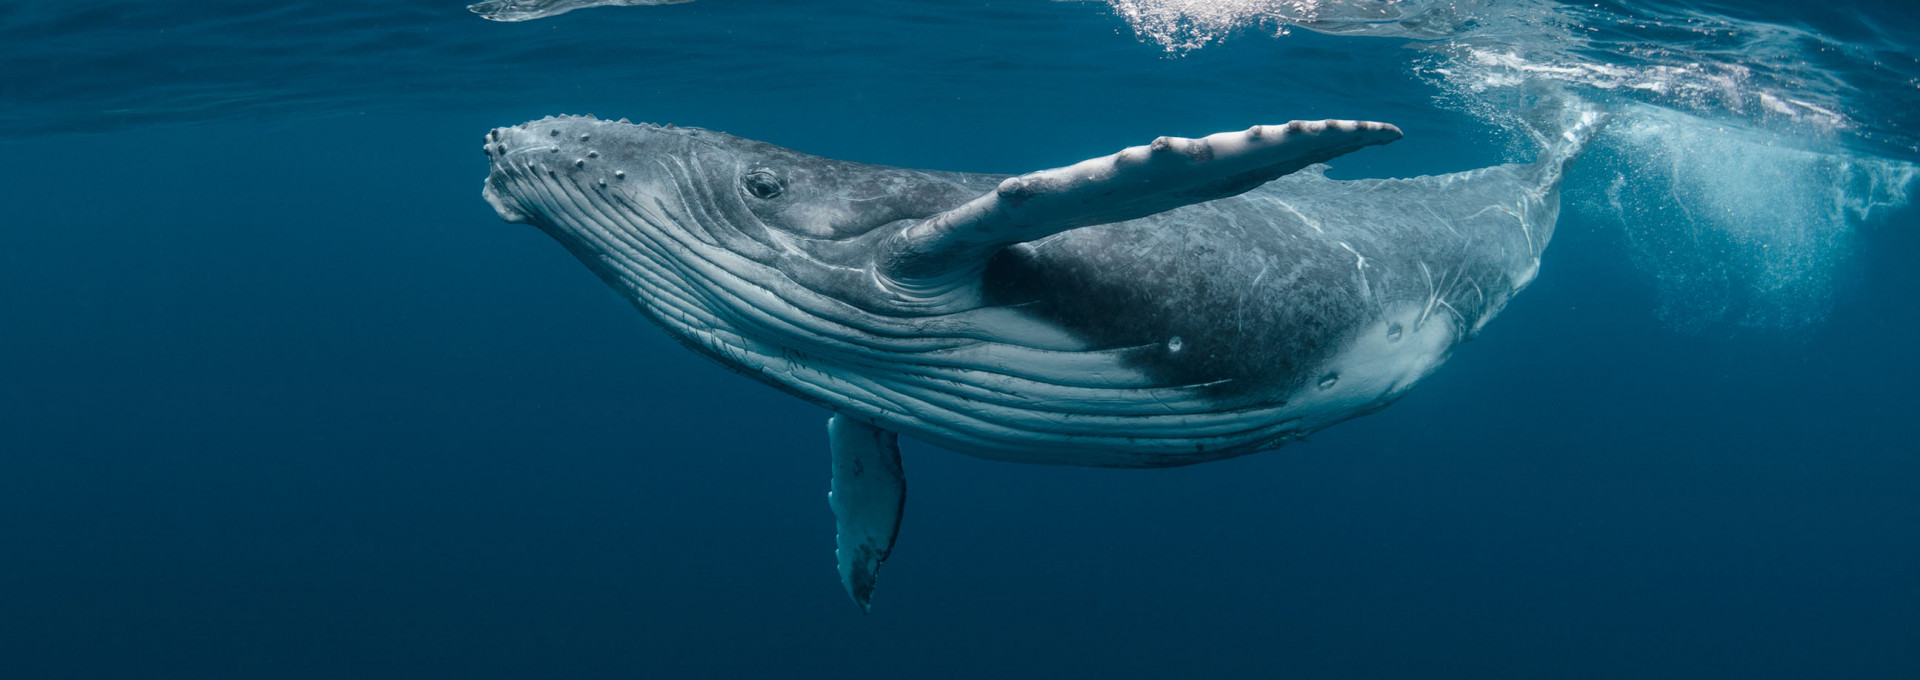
1173	303
526	10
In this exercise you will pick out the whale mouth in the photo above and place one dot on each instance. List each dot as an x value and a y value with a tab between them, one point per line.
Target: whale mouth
501	205
510	156
614	186
538	166
574	169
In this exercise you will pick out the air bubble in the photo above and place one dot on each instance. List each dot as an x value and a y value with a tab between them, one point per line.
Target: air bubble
1175	343
1327	381
1393	333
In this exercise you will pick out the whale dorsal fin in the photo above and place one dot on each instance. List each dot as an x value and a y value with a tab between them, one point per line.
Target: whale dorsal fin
1136	182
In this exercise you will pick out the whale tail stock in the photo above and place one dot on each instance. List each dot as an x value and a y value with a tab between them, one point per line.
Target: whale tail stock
947	251
1562	125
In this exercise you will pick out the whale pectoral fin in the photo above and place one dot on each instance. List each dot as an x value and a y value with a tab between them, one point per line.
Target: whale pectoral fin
1136	182
868	493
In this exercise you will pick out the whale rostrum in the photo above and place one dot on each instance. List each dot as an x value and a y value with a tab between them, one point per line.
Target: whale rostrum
1173	303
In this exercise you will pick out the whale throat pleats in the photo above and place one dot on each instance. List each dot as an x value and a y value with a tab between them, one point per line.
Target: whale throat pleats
951	248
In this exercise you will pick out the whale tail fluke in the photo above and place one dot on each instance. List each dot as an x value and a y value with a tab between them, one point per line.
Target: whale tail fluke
1563	126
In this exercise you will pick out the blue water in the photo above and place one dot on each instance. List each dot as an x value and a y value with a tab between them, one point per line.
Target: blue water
280	397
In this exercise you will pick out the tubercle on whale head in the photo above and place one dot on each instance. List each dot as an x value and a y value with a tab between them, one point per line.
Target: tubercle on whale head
539	167
657	212
672	212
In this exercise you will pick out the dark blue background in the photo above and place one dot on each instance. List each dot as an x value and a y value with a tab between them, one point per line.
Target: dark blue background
280	397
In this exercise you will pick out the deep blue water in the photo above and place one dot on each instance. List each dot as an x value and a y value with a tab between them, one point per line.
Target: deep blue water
282	398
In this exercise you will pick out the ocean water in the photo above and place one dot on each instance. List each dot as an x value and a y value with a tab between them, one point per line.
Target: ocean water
281	397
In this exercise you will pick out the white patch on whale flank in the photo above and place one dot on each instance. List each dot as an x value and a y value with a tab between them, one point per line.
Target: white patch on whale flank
1377	366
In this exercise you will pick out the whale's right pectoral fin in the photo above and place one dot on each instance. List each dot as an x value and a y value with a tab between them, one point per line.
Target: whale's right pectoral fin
869	490
1136	182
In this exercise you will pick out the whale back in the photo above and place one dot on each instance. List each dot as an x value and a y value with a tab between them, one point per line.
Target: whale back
1255	293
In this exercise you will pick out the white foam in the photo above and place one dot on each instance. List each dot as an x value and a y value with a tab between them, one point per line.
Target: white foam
1739	225
1730	178
1685	59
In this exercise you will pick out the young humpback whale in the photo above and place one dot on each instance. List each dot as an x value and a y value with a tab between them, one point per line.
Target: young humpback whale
1184	301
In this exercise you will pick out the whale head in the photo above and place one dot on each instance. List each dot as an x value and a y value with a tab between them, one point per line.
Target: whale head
703	227
580	177
573	174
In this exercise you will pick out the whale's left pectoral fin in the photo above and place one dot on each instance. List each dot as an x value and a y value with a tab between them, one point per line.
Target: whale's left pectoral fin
1136	182
868	493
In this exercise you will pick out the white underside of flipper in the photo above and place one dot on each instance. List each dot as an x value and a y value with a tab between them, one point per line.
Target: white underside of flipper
869	490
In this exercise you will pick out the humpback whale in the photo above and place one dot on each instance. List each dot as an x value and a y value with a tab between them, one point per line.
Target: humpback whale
1178	302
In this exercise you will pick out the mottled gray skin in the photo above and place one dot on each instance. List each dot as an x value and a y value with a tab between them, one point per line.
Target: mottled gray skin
526	10
1204	332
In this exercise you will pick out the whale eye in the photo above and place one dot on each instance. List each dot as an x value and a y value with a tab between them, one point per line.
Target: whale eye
762	184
